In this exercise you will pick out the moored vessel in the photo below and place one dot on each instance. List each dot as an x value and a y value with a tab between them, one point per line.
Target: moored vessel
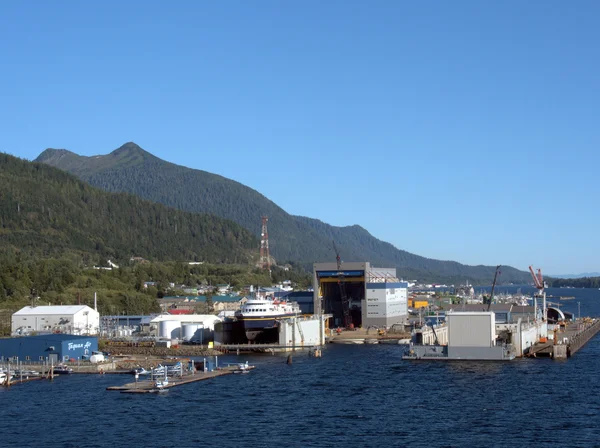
260	315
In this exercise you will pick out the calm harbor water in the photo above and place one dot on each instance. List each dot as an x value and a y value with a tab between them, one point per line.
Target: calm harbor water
353	396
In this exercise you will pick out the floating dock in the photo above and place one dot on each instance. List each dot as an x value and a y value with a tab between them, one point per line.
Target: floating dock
149	385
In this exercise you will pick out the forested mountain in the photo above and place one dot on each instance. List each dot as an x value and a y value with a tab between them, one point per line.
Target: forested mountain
48	212
131	169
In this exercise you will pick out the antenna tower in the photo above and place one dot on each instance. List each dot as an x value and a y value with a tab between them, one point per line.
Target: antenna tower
265	258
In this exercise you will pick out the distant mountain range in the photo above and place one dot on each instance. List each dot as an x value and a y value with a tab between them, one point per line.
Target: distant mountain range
585	274
291	238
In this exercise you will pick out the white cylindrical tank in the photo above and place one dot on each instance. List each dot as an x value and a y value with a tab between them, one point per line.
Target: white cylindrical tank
190	330
96	358
169	329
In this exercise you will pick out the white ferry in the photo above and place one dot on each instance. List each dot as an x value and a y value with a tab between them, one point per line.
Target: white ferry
260	314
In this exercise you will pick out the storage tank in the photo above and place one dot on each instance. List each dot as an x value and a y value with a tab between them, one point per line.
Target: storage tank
169	329
96	358
191	332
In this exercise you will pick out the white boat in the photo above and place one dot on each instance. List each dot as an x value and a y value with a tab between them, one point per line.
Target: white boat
26	373
261	314
172	369
347	341
243	368
162	383
4	376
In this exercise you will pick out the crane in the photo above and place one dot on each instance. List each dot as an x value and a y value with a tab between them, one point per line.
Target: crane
493	287
538	281
342	285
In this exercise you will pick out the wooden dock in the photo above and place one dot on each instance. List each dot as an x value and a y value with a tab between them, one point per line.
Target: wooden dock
149	386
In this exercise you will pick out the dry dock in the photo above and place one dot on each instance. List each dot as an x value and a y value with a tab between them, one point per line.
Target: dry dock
148	386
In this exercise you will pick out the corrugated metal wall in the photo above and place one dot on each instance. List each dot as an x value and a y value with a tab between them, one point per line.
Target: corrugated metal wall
470	330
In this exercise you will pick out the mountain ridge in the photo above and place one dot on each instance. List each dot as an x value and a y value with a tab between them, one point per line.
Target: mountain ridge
49	212
132	169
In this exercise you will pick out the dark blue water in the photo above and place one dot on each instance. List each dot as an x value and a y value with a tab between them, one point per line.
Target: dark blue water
359	396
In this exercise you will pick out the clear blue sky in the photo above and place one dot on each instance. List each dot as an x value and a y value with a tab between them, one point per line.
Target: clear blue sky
455	130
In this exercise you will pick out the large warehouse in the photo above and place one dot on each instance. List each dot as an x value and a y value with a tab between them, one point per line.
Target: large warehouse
375	296
53	348
69	319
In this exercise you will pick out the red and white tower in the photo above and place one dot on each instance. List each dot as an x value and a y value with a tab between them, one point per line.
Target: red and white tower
265	258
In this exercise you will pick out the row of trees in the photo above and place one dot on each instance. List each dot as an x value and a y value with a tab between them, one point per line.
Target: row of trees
50	213
586	282
27	279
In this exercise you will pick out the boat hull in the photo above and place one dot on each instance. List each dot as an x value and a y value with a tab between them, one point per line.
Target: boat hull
256	326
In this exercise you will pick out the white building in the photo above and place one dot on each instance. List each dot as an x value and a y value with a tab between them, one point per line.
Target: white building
386	304
68	319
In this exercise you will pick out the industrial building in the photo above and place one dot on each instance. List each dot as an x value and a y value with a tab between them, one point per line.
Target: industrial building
357	294
68	319
52	348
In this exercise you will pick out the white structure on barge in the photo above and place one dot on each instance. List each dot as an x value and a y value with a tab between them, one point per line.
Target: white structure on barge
471	336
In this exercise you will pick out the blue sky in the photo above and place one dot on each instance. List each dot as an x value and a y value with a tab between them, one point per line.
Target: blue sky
464	130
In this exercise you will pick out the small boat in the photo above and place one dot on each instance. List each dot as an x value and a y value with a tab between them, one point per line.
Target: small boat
61	369
348	341
243	368
158	391
26	373
140	371
4	378
371	341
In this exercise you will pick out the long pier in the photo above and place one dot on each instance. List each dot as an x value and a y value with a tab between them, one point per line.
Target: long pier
579	339
576	334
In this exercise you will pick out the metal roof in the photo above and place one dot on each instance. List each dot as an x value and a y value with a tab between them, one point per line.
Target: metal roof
496	307
49	337
53	309
523	309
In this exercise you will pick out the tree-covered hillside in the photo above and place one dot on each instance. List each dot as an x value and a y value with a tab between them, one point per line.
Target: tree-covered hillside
131	169
48	212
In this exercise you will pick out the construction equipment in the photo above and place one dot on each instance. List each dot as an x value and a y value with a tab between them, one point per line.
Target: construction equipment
538	281
491	299
342	284
437	341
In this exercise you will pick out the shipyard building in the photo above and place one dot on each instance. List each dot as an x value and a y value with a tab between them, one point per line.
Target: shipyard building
69	319
373	296
53	348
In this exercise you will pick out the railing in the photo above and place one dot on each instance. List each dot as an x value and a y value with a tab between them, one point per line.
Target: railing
582	337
